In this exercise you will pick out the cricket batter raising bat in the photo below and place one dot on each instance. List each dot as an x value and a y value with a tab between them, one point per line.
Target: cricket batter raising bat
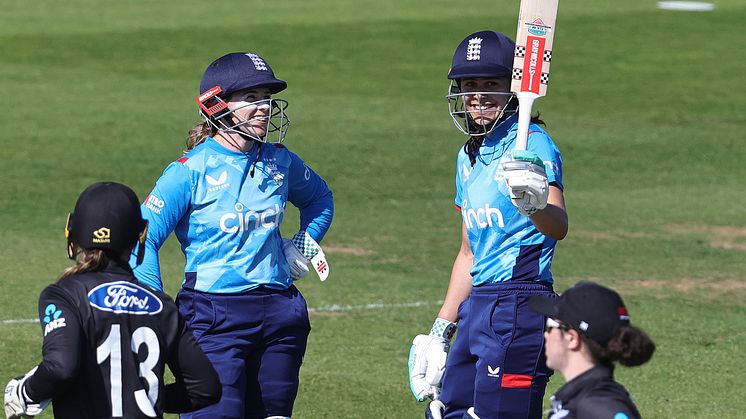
512	215
225	200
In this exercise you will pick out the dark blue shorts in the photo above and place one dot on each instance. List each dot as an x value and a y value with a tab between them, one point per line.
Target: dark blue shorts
497	361
256	341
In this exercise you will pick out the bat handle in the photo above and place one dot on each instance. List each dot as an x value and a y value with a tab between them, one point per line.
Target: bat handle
525	103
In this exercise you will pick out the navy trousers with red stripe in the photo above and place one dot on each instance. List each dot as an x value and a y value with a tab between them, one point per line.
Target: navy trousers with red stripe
497	361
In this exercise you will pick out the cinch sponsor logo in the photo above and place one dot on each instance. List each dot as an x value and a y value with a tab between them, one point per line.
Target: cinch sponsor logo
124	297
481	217
154	204
538	28
240	221
53	319
102	235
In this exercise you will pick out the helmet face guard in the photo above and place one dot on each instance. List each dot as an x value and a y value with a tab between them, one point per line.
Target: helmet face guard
466	119
218	114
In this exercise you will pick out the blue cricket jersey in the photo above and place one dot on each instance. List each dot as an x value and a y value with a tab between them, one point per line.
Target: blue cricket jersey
228	222
506	245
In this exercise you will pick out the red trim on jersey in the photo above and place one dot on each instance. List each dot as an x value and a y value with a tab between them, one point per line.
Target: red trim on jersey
183	160
278	145
457	207
517	381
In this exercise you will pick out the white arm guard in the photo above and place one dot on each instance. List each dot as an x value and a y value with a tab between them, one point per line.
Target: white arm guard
427	360
527	182
17	404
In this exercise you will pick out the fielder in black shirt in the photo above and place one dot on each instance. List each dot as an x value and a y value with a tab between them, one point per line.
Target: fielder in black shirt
587	330
107	338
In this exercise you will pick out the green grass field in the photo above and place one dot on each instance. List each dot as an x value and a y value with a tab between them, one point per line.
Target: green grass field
646	105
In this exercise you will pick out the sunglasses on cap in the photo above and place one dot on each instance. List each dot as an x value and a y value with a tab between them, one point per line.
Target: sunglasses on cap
554	324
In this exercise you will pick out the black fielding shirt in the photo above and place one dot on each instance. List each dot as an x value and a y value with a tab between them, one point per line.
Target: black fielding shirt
593	395
107	339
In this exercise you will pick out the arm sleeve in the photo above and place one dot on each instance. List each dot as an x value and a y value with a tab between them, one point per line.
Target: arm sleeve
309	192
540	143
62	345
197	384
163	208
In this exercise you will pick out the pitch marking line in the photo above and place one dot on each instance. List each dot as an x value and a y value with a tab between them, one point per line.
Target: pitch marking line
334	308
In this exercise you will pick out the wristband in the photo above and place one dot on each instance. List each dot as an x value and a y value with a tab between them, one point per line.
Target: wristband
442	328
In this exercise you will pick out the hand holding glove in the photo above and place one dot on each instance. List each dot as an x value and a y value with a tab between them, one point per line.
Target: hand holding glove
427	360
527	182
297	262
17	405
302	250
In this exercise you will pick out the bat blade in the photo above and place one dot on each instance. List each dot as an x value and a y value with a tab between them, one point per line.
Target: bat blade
533	54
534	41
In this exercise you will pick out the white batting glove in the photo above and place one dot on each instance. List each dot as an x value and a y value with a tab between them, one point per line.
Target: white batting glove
527	182
435	410
312	251
17	404
296	261
427	360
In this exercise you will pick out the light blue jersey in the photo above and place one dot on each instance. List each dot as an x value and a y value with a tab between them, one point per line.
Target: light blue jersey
506	245
228	222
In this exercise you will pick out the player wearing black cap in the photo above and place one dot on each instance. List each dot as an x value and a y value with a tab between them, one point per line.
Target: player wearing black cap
587	330
107	339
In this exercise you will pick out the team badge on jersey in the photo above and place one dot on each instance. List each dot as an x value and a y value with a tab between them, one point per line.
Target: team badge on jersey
275	174
52	319
124	298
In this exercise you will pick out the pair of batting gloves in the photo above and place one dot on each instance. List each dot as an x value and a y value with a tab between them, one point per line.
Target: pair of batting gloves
527	182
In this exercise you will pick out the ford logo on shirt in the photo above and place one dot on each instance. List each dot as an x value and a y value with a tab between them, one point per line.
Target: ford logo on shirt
124	298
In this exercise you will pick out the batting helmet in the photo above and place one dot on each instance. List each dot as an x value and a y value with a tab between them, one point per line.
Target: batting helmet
235	72
483	54
106	216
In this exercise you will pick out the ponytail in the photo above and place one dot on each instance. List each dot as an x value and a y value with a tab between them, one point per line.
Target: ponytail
88	260
630	346
198	134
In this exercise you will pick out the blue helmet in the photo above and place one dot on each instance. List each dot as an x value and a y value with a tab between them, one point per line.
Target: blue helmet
483	54
235	72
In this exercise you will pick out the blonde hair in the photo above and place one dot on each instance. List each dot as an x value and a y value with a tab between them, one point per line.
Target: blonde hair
198	134
87	260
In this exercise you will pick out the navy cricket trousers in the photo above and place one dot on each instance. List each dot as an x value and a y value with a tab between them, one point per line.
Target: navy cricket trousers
256	342
497	362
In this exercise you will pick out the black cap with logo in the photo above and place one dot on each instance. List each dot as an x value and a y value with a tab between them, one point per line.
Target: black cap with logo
590	308
107	216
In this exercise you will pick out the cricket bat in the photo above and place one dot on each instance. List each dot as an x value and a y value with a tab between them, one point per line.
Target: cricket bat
533	54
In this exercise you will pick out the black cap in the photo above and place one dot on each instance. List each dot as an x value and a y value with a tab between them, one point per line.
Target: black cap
106	216
483	54
238	71
592	309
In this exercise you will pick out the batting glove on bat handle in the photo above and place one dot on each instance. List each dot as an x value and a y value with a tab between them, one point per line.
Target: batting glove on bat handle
297	262
527	182
16	403
427	360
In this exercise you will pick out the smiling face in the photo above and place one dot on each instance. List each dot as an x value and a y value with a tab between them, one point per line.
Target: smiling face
251	110
485	98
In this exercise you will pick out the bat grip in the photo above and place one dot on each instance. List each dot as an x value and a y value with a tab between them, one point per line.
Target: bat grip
525	103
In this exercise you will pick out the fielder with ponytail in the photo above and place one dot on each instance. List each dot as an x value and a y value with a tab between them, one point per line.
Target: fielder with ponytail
592	333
